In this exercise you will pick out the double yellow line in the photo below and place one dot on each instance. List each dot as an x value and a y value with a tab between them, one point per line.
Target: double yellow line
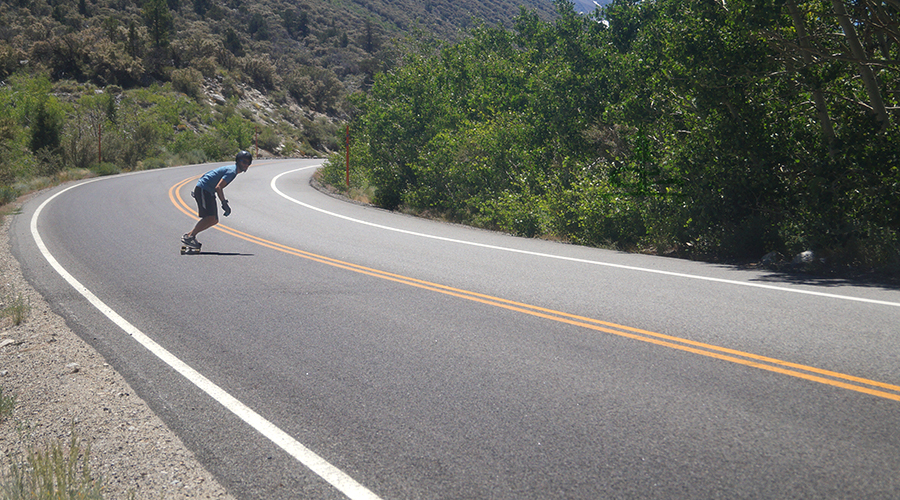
836	379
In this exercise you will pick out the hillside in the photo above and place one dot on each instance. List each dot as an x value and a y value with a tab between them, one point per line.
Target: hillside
269	44
588	6
174	81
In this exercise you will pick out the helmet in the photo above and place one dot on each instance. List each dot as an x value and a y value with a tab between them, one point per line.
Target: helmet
244	155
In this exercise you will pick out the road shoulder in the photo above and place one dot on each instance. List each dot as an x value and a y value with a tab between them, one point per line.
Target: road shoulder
62	385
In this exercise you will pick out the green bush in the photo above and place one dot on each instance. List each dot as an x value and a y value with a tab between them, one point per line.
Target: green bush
185	141
191	157
236	132
46	124
603	216
187	80
334	173
216	147
153	163
9	59
261	71
317	88
515	213
8	194
106	168
269	140
323	134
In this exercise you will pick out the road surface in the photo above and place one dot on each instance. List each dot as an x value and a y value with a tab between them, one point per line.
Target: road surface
324	349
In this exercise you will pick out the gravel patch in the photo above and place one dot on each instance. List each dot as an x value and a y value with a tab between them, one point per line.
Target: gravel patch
62	385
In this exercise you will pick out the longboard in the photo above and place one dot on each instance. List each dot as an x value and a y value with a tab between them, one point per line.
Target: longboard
186	250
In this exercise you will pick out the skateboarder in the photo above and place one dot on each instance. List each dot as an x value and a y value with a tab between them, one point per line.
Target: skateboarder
210	186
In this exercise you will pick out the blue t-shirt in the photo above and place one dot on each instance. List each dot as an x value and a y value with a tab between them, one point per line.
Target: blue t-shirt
211	179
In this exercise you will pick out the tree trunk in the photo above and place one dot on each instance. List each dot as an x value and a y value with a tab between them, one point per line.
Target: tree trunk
865	71
821	106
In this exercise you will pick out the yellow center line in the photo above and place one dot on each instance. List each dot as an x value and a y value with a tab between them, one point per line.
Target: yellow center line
810	373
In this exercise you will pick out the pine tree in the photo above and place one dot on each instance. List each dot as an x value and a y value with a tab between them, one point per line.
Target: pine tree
159	22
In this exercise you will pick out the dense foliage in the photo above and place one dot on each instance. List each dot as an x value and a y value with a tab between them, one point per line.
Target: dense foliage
124	84
700	127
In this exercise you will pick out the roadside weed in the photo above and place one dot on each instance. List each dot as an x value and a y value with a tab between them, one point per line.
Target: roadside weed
16	309
54	472
7	404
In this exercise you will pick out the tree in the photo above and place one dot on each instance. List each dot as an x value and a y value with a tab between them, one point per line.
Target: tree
201	7
46	126
296	23
370	41
258	27
233	43
134	44
859	55
159	22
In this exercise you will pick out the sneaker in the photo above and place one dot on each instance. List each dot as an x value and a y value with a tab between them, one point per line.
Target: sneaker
190	241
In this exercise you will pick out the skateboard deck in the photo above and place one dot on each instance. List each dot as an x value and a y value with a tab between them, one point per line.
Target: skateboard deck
186	250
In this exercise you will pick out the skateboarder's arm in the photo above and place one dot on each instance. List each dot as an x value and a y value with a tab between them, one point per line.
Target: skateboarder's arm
220	189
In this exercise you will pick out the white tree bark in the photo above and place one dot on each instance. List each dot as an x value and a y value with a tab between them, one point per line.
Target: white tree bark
865	71
821	106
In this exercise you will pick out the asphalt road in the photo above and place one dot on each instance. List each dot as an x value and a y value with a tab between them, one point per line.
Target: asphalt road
322	349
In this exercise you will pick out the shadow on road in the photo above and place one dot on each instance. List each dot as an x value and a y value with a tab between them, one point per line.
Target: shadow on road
226	254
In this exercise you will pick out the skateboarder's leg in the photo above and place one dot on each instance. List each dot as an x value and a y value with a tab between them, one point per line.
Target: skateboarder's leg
203	224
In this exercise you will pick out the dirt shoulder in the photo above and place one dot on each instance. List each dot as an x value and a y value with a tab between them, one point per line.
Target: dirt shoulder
62	385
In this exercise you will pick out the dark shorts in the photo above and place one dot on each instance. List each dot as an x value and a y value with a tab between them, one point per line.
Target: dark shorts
206	203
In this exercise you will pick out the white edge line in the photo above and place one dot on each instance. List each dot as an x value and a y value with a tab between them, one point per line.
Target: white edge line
331	474
573	259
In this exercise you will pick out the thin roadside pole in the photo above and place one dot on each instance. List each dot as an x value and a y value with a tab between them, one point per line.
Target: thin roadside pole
348	156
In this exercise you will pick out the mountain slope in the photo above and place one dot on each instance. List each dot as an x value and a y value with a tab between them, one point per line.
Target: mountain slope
588	6
286	66
133	42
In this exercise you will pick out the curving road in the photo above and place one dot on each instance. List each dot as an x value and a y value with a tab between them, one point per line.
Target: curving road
322	349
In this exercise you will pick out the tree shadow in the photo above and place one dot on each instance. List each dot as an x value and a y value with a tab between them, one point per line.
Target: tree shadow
820	277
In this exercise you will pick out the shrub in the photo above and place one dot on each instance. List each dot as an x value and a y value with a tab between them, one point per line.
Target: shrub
8	194
261	71
236	132
516	213
316	88
106	168
46	125
188	80
269	140
9	59
153	163
10	147
323	134
191	157
216	147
